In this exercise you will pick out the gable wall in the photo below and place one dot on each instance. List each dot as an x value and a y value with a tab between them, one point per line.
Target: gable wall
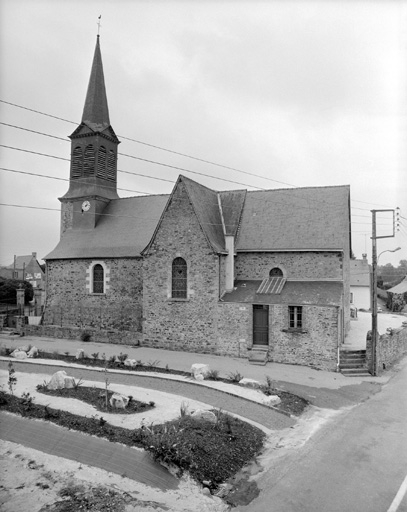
306	265
68	295
189	324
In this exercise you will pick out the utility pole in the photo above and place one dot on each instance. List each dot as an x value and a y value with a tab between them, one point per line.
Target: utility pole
374	285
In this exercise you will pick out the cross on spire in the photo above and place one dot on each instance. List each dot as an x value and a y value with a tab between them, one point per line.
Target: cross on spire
99	25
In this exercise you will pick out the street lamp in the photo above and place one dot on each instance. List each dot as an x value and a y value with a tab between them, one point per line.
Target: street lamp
375	261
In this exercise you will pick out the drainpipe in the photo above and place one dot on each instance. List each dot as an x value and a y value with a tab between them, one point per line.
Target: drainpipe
338	350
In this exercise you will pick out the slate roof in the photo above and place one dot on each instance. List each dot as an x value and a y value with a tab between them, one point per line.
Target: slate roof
296	219
275	220
322	293
21	261
359	273
205	203
232	206
399	288
96	112
123	231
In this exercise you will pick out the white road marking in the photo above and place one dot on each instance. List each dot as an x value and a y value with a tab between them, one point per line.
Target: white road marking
399	496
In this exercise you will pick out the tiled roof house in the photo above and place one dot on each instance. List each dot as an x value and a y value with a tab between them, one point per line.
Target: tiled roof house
223	272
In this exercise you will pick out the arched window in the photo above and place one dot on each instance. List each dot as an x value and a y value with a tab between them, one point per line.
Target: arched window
101	172
98	279
179	279
276	272
77	162
89	161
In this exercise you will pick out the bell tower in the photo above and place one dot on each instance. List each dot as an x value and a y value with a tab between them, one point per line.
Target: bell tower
93	173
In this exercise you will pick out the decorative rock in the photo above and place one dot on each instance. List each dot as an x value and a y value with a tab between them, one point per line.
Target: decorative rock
33	352
130	362
199	377
24	348
58	380
271	400
119	401
199	369
80	353
69	382
201	414
19	354
250	383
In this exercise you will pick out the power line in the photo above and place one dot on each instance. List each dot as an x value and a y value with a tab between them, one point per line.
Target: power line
167	150
153	146
66	179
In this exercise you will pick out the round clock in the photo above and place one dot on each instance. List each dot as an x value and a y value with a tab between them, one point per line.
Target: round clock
85	206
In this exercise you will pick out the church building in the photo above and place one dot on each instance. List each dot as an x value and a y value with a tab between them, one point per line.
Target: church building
254	274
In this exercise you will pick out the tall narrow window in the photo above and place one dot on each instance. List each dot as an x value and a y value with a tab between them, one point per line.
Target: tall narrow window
179	279
295	317
98	279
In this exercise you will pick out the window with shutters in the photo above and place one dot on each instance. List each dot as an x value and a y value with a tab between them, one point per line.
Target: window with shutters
89	161
101	172
179	279
111	160
98	279
77	162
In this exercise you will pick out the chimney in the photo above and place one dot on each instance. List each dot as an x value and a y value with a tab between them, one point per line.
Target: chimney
364	256
34	255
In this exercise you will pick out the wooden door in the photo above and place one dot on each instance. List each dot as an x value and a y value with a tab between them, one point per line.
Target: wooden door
260	325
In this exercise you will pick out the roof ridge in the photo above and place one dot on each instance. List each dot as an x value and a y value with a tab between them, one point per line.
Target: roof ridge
298	188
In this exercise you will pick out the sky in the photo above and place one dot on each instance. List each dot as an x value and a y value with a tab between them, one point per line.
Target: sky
253	94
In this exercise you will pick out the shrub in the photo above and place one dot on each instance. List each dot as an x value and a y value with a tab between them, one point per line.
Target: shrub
212	375
122	357
86	336
235	376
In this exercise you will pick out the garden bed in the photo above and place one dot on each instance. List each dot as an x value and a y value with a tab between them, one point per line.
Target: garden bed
210	452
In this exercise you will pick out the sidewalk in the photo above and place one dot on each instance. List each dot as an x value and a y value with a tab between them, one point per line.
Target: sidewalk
356	338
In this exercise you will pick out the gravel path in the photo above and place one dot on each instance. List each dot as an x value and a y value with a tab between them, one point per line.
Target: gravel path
216	398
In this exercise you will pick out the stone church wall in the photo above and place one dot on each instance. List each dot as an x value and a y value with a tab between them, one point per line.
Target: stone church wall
70	304
315	347
181	324
301	265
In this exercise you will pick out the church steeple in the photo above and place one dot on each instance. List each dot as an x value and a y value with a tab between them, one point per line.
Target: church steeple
93	175
96	112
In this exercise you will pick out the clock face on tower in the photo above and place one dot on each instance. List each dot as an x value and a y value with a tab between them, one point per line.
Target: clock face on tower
85	206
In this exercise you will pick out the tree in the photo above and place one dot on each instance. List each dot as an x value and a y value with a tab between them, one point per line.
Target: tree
9	287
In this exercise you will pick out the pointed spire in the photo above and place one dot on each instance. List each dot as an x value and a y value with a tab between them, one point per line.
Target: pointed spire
96	112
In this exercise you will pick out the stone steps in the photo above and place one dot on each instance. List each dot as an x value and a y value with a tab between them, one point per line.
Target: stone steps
352	363
258	356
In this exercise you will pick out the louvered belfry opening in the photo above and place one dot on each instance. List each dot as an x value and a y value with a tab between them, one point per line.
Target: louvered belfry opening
179	279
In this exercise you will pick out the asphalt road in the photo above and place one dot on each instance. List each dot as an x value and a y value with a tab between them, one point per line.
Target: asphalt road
357	462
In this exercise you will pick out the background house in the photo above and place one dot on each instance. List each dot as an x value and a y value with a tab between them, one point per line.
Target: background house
25	268
360	283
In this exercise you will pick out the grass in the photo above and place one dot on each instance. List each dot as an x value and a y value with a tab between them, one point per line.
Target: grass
96	397
210	452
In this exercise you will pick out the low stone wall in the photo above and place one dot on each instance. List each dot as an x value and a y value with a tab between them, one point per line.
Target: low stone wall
390	348
73	333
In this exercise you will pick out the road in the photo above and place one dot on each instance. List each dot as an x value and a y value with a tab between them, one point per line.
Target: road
357	462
